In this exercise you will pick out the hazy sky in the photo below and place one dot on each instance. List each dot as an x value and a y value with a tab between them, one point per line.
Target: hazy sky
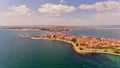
59	12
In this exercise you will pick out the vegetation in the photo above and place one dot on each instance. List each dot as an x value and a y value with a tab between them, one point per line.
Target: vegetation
74	40
105	50
114	49
36	36
77	44
117	51
81	48
54	36
62	38
49	36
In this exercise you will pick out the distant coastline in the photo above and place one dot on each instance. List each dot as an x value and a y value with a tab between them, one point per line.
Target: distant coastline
56	28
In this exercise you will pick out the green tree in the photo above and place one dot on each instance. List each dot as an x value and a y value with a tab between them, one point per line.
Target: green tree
81	48
74	40
77	44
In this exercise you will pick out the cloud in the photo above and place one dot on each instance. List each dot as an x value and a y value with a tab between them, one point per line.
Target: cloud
62	1
101	6
18	11
107	13
56	9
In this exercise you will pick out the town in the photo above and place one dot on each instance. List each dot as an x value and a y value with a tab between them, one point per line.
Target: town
85	44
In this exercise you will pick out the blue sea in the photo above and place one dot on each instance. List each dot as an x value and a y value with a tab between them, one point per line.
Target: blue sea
17	52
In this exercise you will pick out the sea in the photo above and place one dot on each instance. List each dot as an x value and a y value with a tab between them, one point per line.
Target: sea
17	52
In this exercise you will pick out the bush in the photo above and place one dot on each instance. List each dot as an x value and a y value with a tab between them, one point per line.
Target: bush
116	51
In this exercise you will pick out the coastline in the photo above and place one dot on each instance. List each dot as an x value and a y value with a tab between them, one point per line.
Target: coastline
75	47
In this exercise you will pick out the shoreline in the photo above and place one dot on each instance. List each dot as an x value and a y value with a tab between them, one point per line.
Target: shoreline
75	47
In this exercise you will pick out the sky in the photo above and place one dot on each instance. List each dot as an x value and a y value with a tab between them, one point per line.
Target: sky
59	12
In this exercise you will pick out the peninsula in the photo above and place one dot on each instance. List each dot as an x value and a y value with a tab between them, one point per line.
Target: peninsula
84	44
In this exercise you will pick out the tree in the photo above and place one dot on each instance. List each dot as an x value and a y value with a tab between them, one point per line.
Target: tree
77	44
81	48
54	36
74	40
